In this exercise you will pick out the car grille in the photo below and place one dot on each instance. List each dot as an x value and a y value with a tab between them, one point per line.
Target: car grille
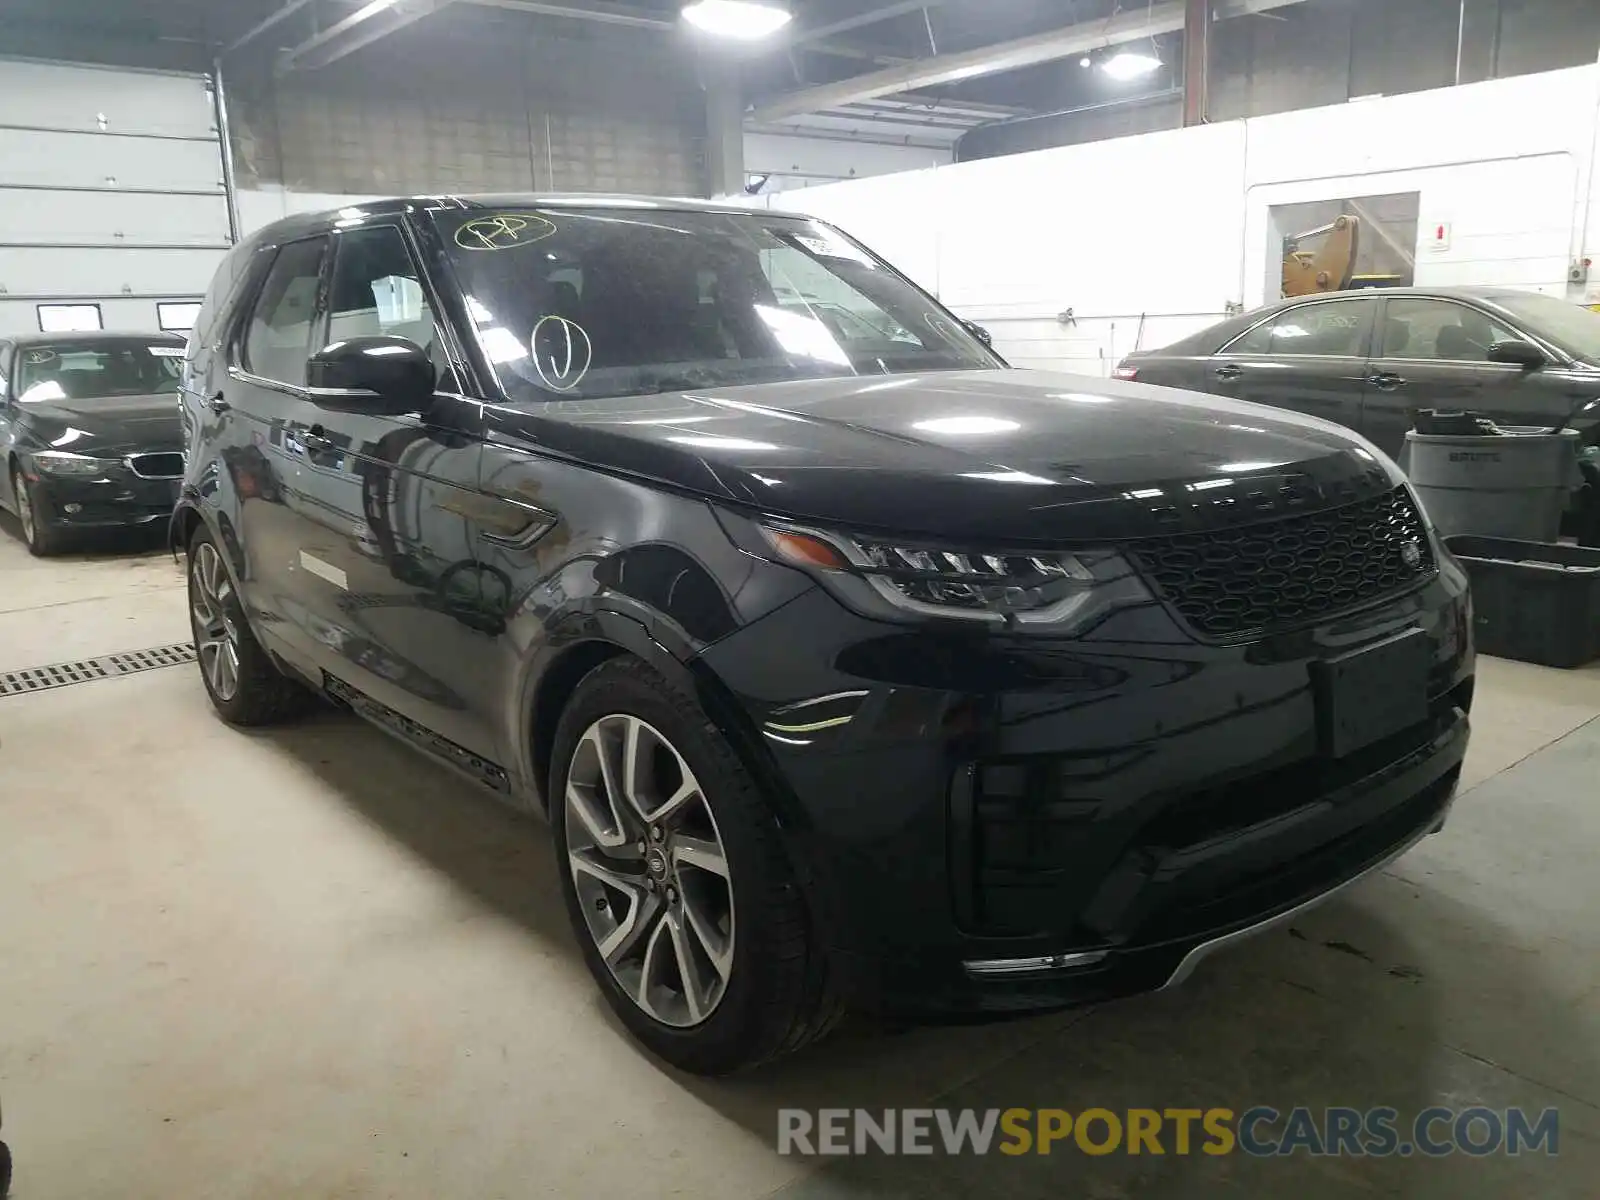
1278	574
168	465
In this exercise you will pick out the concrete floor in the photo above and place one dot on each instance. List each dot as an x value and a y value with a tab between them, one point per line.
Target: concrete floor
308	964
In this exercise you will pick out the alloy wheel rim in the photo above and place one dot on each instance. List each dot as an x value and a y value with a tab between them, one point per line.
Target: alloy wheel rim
24	507
216	640
650	870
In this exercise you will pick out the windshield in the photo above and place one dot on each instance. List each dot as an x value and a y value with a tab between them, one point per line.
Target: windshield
1568	325
588	303
91	370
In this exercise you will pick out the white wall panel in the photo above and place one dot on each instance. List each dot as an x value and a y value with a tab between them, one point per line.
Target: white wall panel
126	219
1146	239
91	274
899	216
31	156
66	96
797	162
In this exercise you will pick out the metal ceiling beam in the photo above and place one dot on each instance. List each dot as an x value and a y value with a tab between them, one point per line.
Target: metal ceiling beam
609	14
870	17
1119	29
256	30
375	23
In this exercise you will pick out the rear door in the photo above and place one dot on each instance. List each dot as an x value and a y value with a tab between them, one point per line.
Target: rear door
1434	353
259	405
1311	359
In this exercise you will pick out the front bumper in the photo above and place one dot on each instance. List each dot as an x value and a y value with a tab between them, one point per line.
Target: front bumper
120	498
1012	825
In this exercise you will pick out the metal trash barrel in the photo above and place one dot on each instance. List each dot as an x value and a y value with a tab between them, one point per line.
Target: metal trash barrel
1516	485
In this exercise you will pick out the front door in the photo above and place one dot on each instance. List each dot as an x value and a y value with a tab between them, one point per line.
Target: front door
1311	358
1434	353
390	570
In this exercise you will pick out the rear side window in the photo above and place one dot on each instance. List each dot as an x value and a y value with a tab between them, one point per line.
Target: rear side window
278	340
1336	328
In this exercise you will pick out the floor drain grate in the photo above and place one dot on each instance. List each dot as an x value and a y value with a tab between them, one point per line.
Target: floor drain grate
85	670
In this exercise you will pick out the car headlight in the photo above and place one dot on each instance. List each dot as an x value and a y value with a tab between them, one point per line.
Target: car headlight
1045	590
59	462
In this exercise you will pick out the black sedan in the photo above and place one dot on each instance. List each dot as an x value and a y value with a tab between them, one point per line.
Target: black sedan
90	433
1369	360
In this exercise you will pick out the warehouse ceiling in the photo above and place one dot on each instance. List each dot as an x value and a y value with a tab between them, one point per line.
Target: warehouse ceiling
829	42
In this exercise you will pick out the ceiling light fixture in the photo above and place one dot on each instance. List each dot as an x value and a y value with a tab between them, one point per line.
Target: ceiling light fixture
746	20
1126	65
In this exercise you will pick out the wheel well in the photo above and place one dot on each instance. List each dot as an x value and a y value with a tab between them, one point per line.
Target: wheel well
183	529
550	701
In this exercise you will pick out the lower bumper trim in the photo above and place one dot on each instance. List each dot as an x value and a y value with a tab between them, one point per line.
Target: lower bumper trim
988	968
1205	949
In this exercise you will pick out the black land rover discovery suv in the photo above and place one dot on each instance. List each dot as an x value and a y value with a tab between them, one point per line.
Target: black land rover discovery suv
850	667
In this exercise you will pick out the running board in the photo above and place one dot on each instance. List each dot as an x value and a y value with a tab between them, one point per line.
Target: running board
491	775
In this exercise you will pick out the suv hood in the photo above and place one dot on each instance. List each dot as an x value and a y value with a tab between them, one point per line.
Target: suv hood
968	456
106	424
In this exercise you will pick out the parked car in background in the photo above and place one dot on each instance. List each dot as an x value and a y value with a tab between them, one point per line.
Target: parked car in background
90	435
850	667
1370	360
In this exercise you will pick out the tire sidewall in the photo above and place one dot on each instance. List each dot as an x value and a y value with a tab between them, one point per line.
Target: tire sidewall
42	539
730	1032
228	708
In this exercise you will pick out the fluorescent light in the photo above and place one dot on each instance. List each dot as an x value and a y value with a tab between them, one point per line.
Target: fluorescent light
1130	66
369	10
746	20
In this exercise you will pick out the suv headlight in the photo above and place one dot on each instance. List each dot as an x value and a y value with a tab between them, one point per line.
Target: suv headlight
1049	591
59	462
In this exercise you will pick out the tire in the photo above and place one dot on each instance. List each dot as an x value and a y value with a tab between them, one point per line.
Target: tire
245	685
33	514
761	978
5	1169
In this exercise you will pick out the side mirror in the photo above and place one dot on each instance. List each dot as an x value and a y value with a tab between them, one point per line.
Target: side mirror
979	332
390	375
1515	352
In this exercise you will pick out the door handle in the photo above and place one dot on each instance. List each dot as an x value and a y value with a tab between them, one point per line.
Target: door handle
1227	371
1386	381
218	405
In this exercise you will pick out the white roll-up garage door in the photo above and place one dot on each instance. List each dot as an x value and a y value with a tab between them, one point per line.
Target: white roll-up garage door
113	212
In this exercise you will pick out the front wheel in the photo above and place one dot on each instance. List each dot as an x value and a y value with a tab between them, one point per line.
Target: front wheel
34	514
676	879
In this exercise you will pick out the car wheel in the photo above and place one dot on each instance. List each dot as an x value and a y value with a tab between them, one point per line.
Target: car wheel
33	514
676	880
245	685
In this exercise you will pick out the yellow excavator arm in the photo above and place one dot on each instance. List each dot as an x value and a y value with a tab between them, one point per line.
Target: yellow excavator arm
1328	268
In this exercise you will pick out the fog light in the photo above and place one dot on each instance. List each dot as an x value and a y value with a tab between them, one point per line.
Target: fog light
72	509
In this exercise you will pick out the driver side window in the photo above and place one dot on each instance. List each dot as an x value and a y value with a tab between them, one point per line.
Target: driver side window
278	340
377	291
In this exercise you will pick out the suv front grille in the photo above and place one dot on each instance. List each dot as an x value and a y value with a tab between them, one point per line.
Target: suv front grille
157	466
1278	574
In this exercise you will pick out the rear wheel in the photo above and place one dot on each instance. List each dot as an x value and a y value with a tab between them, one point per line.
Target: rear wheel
676	879
244	684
